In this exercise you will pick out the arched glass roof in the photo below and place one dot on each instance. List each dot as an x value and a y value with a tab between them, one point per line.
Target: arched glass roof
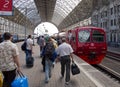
62	9
28	8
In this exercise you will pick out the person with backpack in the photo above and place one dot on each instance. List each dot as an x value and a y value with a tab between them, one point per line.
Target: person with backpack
48	52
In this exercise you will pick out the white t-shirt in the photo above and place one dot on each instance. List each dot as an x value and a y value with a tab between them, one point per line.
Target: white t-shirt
29	43
64	49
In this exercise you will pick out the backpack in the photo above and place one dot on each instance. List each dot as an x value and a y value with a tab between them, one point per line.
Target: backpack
49	49
24	46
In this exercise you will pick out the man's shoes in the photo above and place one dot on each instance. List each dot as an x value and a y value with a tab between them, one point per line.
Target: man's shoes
67	83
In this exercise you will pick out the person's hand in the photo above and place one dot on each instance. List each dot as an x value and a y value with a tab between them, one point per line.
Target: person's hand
18	69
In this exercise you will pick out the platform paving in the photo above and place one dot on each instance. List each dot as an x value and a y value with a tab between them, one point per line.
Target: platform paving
36	77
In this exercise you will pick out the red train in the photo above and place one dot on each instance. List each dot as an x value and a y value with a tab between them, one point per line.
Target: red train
89	43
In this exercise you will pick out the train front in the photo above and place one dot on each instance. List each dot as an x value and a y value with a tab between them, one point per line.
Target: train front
92	45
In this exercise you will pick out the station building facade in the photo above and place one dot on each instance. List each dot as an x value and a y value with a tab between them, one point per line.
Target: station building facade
108	17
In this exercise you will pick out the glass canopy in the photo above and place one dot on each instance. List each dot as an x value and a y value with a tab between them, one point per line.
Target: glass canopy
62	9
28	8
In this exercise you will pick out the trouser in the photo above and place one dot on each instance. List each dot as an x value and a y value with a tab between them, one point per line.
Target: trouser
41	50
48	67
9	76
65	64
43	63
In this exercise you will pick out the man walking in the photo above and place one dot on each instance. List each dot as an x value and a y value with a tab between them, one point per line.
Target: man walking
9	62
48	52
65	52
29	48
41	42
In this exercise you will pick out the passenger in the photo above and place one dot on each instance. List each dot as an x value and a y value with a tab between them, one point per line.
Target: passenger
9	59
59	41
41	43
29	48
65	52
54	42
47	55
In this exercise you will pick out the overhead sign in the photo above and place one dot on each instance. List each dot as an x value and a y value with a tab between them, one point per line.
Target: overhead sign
5	7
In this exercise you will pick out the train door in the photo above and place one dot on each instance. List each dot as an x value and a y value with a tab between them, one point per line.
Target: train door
73	40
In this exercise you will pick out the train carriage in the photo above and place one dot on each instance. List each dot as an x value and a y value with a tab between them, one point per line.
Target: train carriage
89	43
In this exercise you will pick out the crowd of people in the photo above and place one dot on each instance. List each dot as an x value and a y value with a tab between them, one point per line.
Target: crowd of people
51	51
60	51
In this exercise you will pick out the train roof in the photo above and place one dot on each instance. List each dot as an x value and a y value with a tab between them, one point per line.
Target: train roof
91	27
84	27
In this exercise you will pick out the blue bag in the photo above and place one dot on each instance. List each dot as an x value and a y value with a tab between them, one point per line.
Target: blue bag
20	81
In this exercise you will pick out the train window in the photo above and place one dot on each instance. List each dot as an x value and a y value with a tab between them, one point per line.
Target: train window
84	36
97	36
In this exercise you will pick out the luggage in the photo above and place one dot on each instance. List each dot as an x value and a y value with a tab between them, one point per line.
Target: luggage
30	62
74	69
20	81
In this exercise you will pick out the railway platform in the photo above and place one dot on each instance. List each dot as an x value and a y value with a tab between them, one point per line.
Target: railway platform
88	77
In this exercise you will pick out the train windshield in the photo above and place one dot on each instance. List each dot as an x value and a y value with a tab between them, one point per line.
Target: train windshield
97	36
84	36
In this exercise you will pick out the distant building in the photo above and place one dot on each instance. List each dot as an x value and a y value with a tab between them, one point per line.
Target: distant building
108	17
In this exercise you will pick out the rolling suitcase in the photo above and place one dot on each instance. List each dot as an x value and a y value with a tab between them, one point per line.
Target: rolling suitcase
30	62
20	81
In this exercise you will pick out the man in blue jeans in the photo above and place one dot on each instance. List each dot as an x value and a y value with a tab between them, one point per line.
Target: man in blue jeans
48	54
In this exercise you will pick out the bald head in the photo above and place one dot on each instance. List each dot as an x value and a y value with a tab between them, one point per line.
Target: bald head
63	39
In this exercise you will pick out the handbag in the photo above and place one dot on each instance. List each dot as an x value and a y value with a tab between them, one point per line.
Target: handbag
74	68
20	80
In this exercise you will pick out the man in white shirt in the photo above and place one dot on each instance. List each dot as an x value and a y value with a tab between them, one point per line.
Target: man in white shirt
29	49
65	52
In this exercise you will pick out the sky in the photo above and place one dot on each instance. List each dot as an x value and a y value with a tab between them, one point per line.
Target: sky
46	28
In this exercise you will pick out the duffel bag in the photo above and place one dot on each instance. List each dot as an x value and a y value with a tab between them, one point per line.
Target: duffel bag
20	81
74	68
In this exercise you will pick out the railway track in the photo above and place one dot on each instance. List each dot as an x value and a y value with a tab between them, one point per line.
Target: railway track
109	71
110	65
115	56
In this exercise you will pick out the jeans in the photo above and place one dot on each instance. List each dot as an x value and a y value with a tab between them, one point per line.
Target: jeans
48	67
28	54
65	65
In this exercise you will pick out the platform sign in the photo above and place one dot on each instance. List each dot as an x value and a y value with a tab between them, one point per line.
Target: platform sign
6	7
